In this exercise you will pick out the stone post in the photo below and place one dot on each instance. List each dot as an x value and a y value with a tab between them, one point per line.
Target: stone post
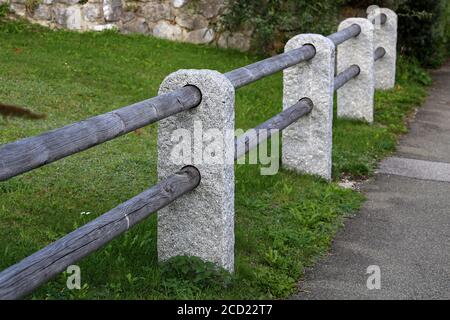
307	143
355	99
385	35
200	223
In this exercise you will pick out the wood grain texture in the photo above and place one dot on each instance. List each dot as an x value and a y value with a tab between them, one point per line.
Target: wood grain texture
345	34
354	70
345	76
25	276
33	152
247	142
258	70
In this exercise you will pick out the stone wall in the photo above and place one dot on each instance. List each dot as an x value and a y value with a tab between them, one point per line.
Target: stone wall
180	20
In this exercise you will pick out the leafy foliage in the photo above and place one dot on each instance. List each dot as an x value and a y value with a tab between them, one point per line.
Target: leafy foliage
423	30
194	272
4	10
32	5
275	21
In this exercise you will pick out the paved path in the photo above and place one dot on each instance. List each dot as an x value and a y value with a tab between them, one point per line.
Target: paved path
404	227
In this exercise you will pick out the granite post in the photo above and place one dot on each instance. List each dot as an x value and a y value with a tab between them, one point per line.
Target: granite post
307	143
200	223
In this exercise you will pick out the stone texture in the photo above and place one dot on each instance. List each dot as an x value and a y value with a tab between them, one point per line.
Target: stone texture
191	21
42	12
200	223
210	8
180	20
68	2
112	10
385	36
92	12
59	15
73	18
103	27
18	9
355	100
307	143
234	40
166	30
127	16
155	11
179	3
200	36
138	25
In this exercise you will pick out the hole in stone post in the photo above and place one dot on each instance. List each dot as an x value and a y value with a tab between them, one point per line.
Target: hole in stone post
199	91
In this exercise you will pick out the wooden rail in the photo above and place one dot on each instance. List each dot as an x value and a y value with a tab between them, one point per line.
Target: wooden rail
33	152
345	76
30	153
25	276
282	120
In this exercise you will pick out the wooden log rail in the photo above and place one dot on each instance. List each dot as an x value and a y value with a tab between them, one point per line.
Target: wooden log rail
33	152
30	153
282	120
354	70
25	276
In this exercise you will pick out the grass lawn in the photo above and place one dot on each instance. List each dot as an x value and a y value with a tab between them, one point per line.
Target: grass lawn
283	222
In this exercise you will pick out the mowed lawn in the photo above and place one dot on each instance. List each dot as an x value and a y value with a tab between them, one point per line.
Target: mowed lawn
283	222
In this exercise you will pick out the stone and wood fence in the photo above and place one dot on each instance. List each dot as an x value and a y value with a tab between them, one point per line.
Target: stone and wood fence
196	200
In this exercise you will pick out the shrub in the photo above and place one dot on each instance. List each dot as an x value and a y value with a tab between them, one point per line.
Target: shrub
275	21
4	10
198	273
423	31
31	5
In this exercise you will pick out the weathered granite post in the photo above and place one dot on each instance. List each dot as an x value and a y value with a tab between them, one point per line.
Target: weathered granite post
307	143
202	222
355	99
385	35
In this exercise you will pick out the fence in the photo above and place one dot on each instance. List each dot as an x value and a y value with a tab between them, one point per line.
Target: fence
201	222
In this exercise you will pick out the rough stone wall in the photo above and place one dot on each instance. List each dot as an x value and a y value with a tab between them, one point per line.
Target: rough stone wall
180	20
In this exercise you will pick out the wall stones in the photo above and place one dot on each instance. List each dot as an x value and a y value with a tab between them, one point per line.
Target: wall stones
136	25
73	18
166	30
112	9
181	20
42	12
156	11
200	36
235	40
92	12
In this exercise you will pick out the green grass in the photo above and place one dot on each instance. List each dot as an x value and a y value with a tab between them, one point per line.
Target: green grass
283	222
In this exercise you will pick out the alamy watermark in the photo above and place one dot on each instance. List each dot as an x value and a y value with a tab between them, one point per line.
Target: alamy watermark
74	277
215	147
376	12
374	279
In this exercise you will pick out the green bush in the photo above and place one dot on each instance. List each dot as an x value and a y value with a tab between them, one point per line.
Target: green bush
198	273
423	30
275	21
4	10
